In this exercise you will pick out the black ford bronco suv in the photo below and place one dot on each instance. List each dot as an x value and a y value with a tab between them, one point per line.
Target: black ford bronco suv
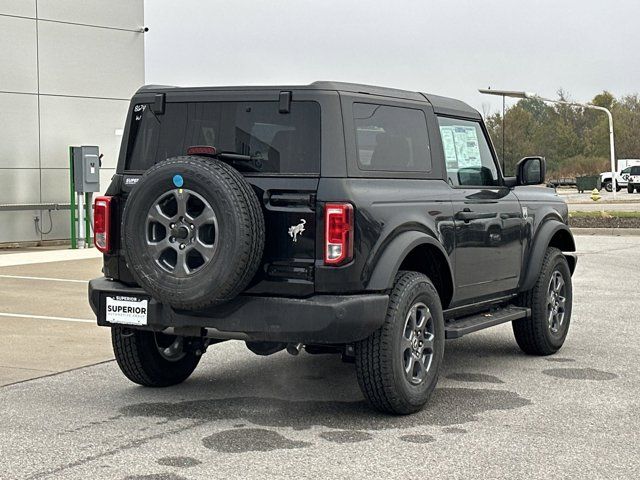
333	217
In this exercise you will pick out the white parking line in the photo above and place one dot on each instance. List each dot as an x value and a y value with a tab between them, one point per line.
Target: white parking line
44	317
48	279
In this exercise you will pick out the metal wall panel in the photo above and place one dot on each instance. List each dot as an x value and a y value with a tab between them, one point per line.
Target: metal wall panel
18	55
19	185
85	49
88	61
24	8
18	130
18	227
55	185
112	13
105	179
68	121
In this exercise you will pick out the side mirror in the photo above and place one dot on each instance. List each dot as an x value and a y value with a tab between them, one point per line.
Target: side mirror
531	171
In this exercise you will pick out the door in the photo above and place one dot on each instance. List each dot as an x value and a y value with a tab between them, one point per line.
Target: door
488	218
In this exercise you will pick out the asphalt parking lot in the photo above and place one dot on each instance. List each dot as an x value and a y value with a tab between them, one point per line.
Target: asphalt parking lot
495	414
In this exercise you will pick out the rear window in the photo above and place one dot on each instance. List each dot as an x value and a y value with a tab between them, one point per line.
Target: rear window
391	139
283	142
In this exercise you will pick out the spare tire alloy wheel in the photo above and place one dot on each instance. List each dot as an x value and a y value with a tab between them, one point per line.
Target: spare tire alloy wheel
181	232
193	232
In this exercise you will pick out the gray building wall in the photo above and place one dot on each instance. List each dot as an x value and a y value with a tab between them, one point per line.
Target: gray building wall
67	71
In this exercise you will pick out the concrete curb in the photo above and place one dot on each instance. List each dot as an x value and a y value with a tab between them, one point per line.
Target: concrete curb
616	232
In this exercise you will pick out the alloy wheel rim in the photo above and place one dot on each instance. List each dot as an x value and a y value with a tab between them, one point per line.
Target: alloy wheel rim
417	343
181	232
556	302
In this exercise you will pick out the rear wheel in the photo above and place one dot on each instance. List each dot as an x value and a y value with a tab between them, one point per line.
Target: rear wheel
398	365
550	301
153	359
629	188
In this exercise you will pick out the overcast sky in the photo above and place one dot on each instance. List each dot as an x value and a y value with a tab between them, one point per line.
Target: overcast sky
449	48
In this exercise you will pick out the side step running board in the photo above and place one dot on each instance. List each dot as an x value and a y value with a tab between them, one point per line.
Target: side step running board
461	326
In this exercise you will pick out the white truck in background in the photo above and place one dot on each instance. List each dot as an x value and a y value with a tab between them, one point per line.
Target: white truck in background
622	175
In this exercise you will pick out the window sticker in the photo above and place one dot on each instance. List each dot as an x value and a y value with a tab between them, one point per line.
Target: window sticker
461	148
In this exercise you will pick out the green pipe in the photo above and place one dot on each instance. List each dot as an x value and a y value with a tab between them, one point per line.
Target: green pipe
74	241
87	219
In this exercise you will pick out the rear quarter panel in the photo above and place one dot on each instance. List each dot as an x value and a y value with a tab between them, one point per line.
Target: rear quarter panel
384	209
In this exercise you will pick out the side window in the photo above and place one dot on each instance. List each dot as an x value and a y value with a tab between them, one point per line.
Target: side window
466	153
393	139
626	170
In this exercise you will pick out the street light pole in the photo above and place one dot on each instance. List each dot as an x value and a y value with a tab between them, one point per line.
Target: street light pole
612	148
518	94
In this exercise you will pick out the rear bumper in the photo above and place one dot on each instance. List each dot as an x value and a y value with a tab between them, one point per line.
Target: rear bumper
317	319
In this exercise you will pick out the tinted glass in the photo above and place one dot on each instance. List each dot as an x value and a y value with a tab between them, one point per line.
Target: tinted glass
391	139
467	154
283	143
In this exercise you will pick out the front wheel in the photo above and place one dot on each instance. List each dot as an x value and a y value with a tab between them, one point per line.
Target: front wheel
153	359
398	365
550	301
607	186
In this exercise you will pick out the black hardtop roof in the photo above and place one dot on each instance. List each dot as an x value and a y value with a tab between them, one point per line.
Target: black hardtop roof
443	105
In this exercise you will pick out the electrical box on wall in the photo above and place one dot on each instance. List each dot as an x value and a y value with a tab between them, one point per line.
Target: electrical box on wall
86	169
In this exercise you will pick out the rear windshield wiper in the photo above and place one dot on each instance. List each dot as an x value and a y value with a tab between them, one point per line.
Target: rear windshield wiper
253	162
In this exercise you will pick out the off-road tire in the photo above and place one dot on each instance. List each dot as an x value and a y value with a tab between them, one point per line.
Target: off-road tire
533	334
240	233
378	359
137	356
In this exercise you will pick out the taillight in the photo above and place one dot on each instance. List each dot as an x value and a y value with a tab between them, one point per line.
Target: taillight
102	224
338	238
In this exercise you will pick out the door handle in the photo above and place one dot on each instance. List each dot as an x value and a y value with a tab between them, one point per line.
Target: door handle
467	215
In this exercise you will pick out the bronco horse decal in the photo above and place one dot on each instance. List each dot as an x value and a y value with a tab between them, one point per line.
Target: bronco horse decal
296	230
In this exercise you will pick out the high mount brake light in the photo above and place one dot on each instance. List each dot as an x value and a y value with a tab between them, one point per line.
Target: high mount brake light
338	238
204	150
102	224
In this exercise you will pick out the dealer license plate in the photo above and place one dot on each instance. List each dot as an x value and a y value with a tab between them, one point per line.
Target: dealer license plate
126	310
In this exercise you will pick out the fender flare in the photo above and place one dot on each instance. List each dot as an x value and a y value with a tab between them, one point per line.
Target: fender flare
388	264
540	244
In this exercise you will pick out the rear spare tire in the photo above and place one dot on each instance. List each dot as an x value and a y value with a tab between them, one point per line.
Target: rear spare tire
193	232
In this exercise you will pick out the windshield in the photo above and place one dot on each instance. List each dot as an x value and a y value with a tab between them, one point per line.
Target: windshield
285	142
